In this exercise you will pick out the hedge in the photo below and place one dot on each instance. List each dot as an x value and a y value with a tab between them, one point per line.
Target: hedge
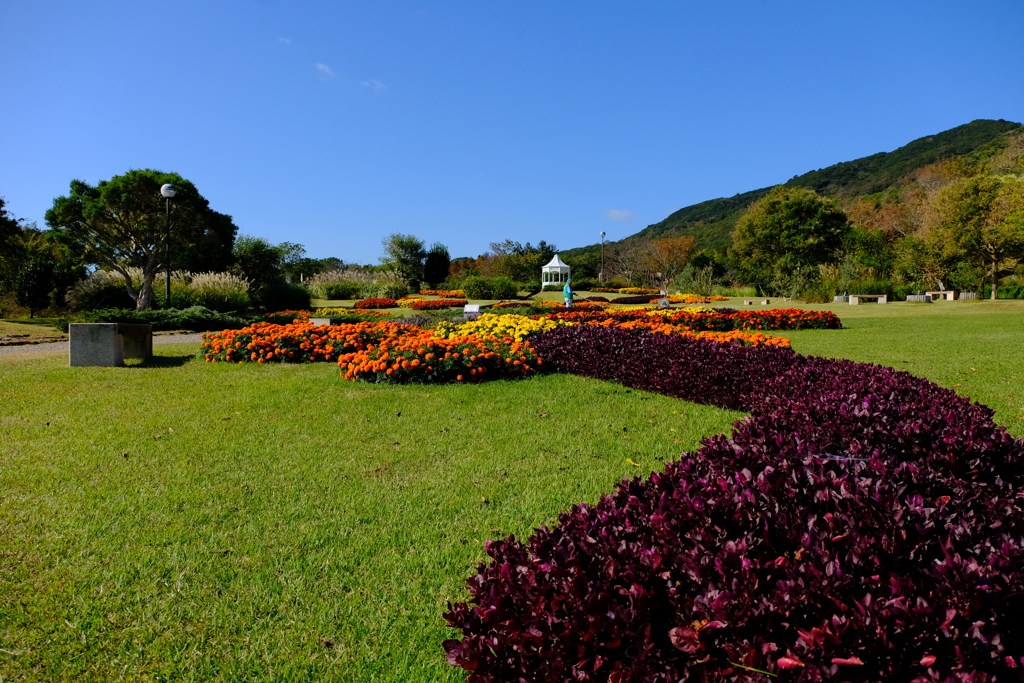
862	525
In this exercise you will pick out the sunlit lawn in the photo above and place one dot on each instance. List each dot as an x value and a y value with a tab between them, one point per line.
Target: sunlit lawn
184	521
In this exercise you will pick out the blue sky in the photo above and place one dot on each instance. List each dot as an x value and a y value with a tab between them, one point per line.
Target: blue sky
334	124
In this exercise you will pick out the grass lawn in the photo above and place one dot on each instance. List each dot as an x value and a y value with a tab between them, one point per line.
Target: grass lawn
29	328
177	520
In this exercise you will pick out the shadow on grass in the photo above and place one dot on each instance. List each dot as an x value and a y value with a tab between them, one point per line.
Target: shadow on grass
159	361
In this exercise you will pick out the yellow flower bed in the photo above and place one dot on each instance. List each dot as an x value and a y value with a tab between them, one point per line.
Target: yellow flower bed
517	327
341	312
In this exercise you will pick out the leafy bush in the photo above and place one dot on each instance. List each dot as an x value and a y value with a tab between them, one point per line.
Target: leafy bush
862	525
195	318
477	287
102	289
276	296
1014	291
354	283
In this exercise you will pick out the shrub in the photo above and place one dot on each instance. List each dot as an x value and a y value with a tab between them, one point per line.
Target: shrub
862	525
354	282
102	289
477	287
283	295
196	318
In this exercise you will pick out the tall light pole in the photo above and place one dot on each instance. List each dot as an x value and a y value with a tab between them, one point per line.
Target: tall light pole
168	191
602	257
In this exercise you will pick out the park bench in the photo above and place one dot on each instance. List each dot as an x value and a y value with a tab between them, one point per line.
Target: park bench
948	295
751	302
855	298
108	344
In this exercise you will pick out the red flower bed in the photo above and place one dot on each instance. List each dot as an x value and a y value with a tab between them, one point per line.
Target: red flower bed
436	304
376	303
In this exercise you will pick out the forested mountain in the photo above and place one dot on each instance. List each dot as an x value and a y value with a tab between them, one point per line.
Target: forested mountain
712	222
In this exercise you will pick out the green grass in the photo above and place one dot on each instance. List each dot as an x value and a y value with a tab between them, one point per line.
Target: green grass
30	328
294	526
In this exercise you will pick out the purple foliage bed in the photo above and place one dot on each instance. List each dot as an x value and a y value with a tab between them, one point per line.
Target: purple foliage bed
862	525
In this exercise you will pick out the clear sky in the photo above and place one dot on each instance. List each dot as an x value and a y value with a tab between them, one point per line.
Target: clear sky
333	124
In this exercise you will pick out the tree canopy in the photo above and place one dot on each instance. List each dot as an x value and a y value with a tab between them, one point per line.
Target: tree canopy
406	254
790	229
121	223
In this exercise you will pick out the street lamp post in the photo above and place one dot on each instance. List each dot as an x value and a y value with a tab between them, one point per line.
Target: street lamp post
168	191
602	257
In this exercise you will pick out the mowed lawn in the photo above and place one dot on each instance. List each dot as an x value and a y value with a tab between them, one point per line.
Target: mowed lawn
184	521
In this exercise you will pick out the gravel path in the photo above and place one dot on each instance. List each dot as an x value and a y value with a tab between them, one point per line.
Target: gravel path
63	346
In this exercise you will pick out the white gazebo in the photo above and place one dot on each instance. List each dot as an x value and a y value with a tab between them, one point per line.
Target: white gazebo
554	273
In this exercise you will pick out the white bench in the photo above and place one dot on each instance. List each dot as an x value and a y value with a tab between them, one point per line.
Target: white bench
751	302
948	295
855	298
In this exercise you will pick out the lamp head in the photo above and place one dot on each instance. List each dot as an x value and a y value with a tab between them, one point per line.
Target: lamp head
602	234
168	190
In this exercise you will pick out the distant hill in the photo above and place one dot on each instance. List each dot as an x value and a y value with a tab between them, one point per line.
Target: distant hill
712	221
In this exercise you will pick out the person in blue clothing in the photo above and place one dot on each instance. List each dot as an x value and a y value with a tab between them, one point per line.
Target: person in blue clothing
568	293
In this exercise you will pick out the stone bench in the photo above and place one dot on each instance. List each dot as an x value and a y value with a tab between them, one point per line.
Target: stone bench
108	344
880	298
948	295
751	302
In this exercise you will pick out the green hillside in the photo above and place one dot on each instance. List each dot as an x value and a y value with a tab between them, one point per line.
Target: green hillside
712	221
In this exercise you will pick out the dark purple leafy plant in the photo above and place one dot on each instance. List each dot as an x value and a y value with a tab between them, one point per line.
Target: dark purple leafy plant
862	525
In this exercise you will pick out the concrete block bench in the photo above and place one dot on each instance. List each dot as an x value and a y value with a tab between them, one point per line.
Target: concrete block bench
948	295
751	302
108	344
855	298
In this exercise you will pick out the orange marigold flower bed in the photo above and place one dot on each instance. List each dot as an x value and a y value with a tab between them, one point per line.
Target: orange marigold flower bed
421	357
435	304
447	294
376	303
296	343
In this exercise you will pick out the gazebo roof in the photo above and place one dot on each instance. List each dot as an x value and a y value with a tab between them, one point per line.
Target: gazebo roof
556	264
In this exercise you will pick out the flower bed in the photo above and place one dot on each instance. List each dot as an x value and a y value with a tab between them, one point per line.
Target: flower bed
346	312
376	303
285	317
295	343
423	357
862	525
516	327
436	304
446	294
405	301
786	319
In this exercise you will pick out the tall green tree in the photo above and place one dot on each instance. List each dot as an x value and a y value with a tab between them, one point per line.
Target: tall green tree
982	220
790	230
34	284
120	223
406	254
12	250
436	264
